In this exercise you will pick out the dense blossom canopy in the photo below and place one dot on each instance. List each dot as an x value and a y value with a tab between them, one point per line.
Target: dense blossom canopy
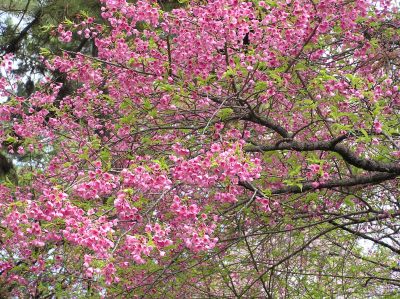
227	148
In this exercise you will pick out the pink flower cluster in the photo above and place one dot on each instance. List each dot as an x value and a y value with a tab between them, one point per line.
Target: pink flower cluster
124	209
99	184
145	180
137	247
200	241
184	211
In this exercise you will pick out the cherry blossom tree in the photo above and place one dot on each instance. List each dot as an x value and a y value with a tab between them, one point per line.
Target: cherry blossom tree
225	149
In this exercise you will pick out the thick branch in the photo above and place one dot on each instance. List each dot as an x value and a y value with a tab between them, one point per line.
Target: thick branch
255	118
330	146
367	179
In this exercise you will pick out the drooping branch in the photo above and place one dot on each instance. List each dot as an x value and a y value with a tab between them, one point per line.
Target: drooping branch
344	226
287	257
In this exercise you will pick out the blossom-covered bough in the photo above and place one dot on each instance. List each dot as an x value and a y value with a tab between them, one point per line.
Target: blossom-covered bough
227	149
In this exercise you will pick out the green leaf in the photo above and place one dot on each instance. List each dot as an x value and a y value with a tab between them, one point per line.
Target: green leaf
229	73
166	87
224	113
126	104
295	171
153	112
348	200
260	86
45	52
10	139
271	3
105	155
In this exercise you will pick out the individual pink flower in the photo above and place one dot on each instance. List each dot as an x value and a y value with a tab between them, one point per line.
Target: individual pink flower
377	127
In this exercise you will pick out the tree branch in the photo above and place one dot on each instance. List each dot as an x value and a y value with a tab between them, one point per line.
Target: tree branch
329	146
366	179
